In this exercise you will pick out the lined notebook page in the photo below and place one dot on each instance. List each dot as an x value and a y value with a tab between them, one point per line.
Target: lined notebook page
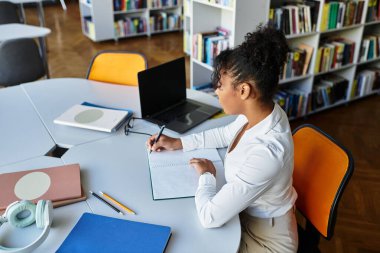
171	174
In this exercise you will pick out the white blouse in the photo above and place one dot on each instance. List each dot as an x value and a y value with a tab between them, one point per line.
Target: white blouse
258	170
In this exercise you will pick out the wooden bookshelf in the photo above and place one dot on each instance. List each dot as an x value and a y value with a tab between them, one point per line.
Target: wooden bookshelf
206	16
101	22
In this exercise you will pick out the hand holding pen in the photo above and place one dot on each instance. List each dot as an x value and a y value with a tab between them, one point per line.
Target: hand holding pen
157	137
163	142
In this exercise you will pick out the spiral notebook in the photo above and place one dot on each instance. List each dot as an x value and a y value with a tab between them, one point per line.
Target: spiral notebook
171	174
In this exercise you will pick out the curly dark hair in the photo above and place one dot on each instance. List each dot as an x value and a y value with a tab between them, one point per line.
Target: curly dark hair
257	61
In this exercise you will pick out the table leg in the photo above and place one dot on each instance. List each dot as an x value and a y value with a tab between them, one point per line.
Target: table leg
22	12
41	15
63	5
44	55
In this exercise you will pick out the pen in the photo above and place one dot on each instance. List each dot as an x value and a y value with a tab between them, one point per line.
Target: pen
98	197
117	202
158	136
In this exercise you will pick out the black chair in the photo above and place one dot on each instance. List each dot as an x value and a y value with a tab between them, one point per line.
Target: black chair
20	62
9	13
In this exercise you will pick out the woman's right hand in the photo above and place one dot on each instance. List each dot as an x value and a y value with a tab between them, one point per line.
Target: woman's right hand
164	143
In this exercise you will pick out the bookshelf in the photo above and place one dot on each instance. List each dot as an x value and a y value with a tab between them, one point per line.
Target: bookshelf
334	32
237	17
116	19
187	41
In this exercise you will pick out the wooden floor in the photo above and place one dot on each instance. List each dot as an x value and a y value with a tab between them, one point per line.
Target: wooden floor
356	125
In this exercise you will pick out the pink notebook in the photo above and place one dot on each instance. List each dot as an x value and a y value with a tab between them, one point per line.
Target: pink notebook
54	183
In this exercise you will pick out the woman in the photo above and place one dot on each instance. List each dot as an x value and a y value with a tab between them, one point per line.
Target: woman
259	160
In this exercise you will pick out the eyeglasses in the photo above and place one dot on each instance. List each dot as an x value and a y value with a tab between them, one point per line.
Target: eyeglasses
130	124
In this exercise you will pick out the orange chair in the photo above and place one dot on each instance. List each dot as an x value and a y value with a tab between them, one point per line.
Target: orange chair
117	67
322	169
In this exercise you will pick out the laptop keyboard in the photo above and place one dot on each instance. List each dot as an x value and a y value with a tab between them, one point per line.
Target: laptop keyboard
176	112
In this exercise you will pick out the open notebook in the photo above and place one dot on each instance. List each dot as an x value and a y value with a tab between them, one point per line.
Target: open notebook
171	174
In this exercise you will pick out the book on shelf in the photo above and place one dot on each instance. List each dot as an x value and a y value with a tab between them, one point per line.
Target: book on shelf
93	118
328	90
126	5
309	52
162	21
337	14
369	48
97	233
60	184
297	61
163	3
293	101
334	53
295	17
130	25
365	82
207	45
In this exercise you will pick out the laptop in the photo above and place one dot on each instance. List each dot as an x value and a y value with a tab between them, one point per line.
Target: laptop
163	98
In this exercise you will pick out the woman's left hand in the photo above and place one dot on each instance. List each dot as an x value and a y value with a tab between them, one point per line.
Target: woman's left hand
203	165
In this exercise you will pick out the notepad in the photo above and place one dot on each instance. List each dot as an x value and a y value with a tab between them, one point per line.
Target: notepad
59	184
171	174
96	233
94	118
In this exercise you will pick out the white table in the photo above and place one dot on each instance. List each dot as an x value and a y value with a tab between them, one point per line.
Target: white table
22	133
19	31
64	218
118	164
53	97
40	9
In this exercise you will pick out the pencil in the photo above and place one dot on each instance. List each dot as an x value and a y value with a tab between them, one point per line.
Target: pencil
117	202
105	202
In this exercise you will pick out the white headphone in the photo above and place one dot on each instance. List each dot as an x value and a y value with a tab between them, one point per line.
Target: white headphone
42	214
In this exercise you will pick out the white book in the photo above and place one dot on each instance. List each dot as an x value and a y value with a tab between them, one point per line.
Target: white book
94	118
171	173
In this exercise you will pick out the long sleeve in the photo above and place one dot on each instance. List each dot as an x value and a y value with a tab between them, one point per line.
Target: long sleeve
255	176
214	138
258	172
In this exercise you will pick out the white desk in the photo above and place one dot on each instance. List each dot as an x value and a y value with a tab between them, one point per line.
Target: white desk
19	31
118	164
52	97
22	133
64	218
40	9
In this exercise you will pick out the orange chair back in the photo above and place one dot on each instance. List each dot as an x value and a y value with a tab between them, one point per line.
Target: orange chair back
117	67
322	168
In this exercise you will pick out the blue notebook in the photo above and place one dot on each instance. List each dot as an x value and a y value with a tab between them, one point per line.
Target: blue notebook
96	233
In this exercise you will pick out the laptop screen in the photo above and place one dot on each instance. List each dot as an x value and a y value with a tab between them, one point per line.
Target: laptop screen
162	86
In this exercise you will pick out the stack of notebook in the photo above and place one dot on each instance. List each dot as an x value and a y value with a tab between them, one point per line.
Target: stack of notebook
94	117
60	184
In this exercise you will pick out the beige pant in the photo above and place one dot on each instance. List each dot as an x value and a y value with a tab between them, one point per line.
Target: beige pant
277	234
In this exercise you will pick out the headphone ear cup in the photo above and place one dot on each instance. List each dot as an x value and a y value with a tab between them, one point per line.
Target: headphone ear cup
40	214
44	212
14	210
